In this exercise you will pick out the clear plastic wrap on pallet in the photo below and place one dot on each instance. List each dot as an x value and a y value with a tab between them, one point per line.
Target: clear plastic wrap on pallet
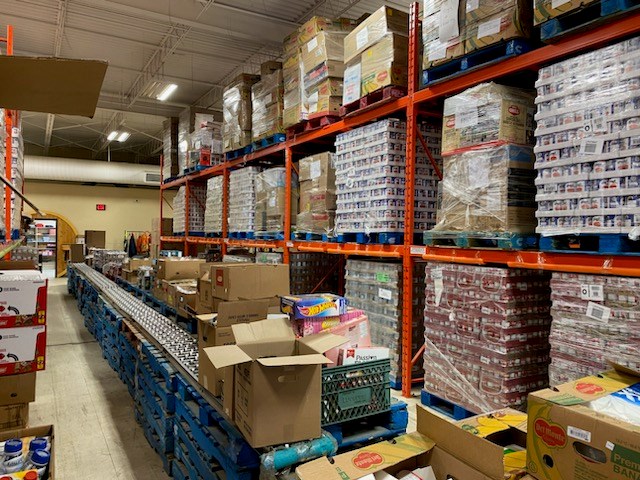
596	321
197	201
213	205
170	148
371	30
443	31
103	257
316	25
489	188
370	178
376	288
486	334
293	109
385	63
184	127
205	142
236	112
489	22
588	143
270	200
267	104
487	113
317	194
242	199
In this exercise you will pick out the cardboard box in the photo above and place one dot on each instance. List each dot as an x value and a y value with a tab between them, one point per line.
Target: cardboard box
28	433
514	22
442	46
17	389
158	291
378	75
22	349
95	238
14	416
325	46
316	222
353	356
23	298
245	281
293	115
406	452
313	305
319	168
352	82
178	269
135	263
357	332
383	21
277	380
175	288
315	25
478	10
568	439
186	294
544	10
215	330
330	69
76	252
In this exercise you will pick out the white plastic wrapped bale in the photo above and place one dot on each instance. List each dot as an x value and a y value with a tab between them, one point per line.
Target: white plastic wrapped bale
270	200
267	106
236	111
370	178
486	334
197	200
588	143
242	200
596	320
213	205
376	288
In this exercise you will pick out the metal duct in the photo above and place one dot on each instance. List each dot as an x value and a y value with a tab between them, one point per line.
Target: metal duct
56	169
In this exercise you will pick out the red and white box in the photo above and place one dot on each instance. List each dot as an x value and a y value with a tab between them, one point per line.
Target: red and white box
353	356
23	298
22	349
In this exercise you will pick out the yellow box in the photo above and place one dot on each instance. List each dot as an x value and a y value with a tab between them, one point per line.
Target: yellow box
544	10
383	21
322	24
514	22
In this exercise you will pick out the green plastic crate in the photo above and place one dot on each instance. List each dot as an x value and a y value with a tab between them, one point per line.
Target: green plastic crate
355	391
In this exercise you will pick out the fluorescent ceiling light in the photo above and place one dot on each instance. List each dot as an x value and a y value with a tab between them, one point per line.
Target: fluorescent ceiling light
124	136
167	91
112	135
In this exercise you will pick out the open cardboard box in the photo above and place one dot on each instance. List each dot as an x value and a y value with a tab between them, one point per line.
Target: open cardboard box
277	380
568	439
41	431
451	451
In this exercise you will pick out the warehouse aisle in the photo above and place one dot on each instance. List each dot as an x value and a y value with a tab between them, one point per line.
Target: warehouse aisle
97	436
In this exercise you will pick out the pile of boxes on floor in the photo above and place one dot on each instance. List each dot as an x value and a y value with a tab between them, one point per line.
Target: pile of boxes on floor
25	452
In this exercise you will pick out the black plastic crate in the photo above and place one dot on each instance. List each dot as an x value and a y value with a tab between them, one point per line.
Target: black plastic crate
355	391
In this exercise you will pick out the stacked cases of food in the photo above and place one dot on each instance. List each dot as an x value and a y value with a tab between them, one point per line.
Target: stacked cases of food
213	206
237	112
197	201
317	207
270	190
242	200
267	102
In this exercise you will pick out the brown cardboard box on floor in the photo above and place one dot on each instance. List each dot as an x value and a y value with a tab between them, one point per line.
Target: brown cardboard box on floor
178	269
568	439
245	281
19	388
277	380
14	416
174	288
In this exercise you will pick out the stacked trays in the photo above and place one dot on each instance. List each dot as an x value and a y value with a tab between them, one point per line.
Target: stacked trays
197	199
213	205
596	320
486	334
242	200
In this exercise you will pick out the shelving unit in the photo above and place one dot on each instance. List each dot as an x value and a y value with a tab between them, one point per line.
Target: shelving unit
418	103
39	236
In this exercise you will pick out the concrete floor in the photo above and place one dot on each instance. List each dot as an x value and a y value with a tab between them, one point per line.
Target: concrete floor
97	436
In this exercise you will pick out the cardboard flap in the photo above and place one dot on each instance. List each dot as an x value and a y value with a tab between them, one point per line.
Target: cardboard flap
51	85
241	311
370	459
476	451
313	359
625	370
323	342
588	388
226	356
263	331
207	318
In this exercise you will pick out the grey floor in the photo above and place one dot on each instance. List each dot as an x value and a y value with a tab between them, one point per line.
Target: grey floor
97	436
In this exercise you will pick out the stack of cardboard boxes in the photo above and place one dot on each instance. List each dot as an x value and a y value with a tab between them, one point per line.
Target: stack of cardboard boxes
443	31
317	194
197	199
23	318
267	102
293	110
159	227
242	200
270	200
213	205
172	274
131	266
376	54
236	111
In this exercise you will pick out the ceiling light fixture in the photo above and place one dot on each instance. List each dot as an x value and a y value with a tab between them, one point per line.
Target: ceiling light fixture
166	92
123	137
112	135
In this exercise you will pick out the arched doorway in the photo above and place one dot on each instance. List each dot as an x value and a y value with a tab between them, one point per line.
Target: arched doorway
66	234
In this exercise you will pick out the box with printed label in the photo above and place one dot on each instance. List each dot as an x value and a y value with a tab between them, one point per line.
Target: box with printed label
587	428
443	31
351	90
22	349
277	380
384	63
314	305
316	25
544	10
249	281
177	269
17	388
322	48
23	298
319	169
515	22
383	21
353	356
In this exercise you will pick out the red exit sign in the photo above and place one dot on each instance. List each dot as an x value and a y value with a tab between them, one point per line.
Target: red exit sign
101	207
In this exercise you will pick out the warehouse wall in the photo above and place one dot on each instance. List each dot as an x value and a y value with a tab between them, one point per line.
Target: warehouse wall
127	208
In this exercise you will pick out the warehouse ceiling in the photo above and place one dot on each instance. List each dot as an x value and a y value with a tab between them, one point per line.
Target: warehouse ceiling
197	44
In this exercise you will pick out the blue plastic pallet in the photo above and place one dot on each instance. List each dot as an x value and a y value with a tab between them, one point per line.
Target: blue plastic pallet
446	407
213	235
586	17
312	237
242	235
205	466
373	428
233	154
178	469
391	238
185	464
269	235
157	387
267	142
155	443
474	60
197	168
162	427
603	244
158	364
497	240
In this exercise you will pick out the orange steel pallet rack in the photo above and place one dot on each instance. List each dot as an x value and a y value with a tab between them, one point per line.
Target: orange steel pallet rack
417	103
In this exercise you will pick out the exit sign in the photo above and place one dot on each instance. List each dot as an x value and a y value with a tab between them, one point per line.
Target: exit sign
101	207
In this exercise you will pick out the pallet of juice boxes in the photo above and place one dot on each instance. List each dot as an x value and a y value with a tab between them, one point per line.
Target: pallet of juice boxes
23	315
